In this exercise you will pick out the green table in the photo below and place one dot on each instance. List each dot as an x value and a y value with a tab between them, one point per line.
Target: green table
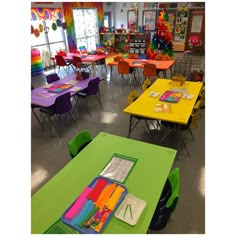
146	181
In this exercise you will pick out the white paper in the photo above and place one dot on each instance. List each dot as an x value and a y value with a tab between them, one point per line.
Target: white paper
117	169
196	24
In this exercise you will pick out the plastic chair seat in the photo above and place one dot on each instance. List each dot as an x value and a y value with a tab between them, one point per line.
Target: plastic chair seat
79	142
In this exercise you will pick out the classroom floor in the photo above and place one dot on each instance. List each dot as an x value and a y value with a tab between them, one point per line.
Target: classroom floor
49	153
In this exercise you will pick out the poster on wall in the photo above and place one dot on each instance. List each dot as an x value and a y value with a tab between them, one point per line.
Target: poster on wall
149	20
196	24
181	24
171	21
132	20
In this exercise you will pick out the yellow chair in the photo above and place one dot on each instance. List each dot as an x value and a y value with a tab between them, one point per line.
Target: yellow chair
146	84
192	123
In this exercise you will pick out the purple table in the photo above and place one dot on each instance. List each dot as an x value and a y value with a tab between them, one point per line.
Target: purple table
40	96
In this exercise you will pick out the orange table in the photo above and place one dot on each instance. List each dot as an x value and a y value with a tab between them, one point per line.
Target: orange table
139	63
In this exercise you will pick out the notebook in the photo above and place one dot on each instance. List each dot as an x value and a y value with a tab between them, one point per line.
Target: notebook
171	96
59	88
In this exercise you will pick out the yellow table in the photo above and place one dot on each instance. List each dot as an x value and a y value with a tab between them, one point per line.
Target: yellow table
180	112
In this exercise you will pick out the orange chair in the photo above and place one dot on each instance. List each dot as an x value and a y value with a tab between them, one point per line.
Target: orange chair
60	61
149	70
125	69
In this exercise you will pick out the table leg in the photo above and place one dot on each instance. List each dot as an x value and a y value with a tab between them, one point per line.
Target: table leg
181	138
130	125
111	70
93	69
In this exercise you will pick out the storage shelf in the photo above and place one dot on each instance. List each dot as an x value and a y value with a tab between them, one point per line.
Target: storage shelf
137	41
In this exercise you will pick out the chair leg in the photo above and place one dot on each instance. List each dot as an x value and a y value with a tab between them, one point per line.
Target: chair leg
99	99
41	125
180	136
191	133
133	125
76	104
165	136
53	124
88	106
71	116
130	125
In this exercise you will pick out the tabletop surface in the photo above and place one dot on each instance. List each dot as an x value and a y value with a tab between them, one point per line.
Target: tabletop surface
146	181
139	63
40	96
84	57
180	112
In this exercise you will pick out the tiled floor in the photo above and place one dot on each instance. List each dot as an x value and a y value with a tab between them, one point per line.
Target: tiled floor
50	153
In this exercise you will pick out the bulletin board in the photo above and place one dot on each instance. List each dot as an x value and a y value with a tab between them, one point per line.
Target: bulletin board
181	24
149	20
196	25
172	17
132	19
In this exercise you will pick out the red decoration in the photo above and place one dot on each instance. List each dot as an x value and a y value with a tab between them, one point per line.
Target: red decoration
36	33
32	29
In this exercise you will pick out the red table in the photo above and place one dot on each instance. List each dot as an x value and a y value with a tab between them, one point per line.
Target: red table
139	63
87	58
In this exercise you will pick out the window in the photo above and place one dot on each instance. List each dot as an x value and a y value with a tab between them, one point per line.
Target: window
86	28
48	39
107	19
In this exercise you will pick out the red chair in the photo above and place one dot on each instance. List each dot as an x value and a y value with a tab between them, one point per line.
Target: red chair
78	64
60	62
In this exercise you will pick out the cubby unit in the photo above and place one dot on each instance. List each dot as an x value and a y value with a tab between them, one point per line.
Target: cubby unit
126	42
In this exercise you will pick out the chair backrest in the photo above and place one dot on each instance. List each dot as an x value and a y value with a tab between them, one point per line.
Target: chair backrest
77	62
123	67
62	104
93	87
52	77
146	84
78	142
133	95
167	202
60	60
174	179
149	69
195	114
202	96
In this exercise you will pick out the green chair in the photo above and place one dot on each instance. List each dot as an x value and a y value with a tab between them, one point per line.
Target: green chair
78	142
167	202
